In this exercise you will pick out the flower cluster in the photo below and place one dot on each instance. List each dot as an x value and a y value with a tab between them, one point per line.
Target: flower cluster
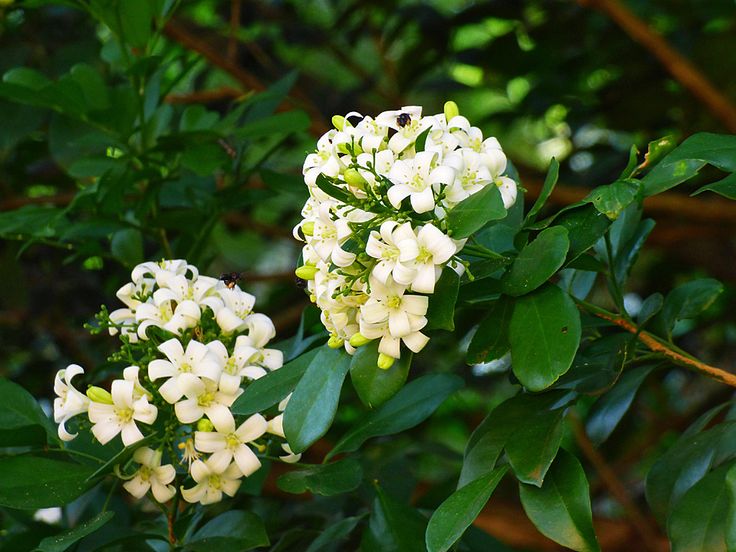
192	344
375	224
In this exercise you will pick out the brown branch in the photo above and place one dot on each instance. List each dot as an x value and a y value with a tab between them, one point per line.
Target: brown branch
232	42
678	66
652	540
657	346
205	96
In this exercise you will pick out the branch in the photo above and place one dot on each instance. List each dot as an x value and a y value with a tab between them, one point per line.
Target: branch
657	345
678	66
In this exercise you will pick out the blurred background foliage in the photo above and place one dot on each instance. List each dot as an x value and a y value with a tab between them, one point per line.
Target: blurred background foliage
177	129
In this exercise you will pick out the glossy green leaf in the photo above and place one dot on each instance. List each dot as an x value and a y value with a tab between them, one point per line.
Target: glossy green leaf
22	422
688	301
628	252
609	409
459	510
549	185
32	482
598	364
127	246
313	403
393	526
650	307
537	262
560	509
476	211
120	458
441	312
331	538
491	339
232	531
544	333
265	392
323	479
612	199
331	190
63	541
725	187
700	519
280	123
585	226
416	401
373	384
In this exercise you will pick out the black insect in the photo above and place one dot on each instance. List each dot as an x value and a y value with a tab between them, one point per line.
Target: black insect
403	119
301	283
231	278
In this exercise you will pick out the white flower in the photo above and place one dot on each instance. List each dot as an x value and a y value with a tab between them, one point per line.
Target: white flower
325	161
188	453
276	424
408	124
507	187
404	313
155	270
384	247
425	253
472	175
195	360
69	401
231	443
175	320
231	308
131	374
214	476
289	457
177	288
415	179
120	417
203	398
151	475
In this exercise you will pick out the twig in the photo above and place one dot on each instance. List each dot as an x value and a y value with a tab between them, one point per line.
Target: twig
642	525
205	96
678	66
232	42
658	346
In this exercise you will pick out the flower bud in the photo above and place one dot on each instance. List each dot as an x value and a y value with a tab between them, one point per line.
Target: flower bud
451	110
306	272
358	340
338	121
98	394
335	342
385	362
354	178
308	228
205	425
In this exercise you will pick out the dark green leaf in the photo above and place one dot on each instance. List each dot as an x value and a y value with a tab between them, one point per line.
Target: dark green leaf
474	212
281	123
127	246
62	541
688	301
544	333
613	198
121	457
421	140
374	385
560	509
393	527
609	409
597	366
629	252
649	308
233	531
265	392
491	339
459	510
725	187
313	403
323	479
441	312
409	407
585	226
333	536
549	185
22	422
32	482
331	190
537	262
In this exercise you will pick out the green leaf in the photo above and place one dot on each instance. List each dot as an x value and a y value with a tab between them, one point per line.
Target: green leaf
628	252
560	509
286	122
393	526
127	246
265	392
136	21
598	364
725	187
490	437
374	385
688	301
233	531
459	510
549	185
441	312
585	226
334	534
409	407
121	457
323	479
32	482
22	422
609	409
657	149
313	403
421	140
544	333
62	541
649	308
491	339
700	519
474	212
612	199
331	190
537	262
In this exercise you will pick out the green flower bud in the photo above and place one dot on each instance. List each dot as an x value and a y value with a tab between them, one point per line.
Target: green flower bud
98	394
451	110
359	340
354	178
205	425
335	342
306	272
385	362
338	121
308	228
